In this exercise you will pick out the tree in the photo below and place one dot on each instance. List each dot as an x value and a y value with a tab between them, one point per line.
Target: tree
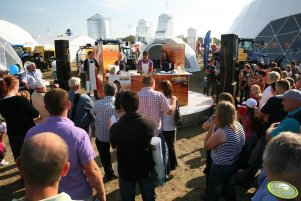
130	39
216	41
201	40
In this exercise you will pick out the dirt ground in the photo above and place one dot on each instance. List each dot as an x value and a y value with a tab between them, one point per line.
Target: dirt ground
188	182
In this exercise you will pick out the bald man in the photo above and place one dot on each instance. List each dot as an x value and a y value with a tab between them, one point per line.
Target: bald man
43	161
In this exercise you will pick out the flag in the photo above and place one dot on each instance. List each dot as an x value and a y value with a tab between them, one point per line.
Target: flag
206	48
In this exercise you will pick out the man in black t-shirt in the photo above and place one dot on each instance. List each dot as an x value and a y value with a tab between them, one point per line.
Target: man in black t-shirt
273	110
210	71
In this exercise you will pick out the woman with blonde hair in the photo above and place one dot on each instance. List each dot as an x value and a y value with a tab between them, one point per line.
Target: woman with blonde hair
225	138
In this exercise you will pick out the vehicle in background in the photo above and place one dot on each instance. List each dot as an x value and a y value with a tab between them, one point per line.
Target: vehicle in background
247	51
25	53
43	57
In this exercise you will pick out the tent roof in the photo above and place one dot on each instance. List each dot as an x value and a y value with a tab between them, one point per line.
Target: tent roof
190	57
258	13
8	55
73	40
15	34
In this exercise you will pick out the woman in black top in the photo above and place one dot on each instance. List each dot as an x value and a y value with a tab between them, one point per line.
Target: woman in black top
17	111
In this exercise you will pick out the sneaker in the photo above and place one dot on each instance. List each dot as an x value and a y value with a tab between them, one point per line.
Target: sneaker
3	162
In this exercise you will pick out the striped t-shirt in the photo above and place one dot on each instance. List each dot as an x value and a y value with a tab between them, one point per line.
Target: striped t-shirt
228	152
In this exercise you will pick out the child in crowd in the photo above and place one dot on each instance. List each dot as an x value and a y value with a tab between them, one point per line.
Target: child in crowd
249	124
255	92
25	94
2	146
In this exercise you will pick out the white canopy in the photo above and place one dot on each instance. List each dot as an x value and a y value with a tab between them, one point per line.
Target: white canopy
74	43
259	13
15	35
8	55
191	63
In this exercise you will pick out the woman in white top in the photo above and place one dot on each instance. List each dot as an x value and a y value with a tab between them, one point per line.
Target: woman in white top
168	126
115	118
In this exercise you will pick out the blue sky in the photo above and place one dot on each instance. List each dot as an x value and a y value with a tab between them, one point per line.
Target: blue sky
39	16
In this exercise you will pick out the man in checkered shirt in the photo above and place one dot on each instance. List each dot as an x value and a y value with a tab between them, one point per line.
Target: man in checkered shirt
103	110
153	103
151	106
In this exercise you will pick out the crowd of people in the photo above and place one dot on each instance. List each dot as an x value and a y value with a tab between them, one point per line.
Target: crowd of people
52	130
269	104
34	120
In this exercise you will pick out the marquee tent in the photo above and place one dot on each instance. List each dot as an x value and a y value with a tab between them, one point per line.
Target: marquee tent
276	24
155	52
15	35
8	55
74	43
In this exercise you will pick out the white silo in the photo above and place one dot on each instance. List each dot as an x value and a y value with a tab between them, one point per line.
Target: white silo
191	37
165	26
143	31
98	27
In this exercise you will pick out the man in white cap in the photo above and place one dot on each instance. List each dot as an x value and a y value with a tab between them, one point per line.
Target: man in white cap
291	104
81	105
37	99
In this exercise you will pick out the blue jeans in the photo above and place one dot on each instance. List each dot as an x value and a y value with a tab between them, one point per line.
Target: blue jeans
147	189
222	178
164	151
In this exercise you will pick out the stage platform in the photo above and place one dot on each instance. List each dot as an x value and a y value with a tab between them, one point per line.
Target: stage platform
198	110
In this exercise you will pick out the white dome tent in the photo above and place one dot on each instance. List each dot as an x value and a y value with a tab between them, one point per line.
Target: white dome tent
16	35
8	55
277	25
155	52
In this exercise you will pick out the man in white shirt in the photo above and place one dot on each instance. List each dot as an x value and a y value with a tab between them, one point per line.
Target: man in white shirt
32	75
37	99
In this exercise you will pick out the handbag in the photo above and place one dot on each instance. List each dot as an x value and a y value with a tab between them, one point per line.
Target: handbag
177	117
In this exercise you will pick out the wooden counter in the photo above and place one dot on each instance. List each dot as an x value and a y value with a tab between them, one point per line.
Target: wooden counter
179	83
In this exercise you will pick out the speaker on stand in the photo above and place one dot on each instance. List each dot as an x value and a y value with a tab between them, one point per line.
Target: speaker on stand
228	64
63	68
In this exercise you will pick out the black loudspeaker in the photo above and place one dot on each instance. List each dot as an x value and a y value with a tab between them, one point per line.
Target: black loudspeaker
62	50
63	73
63	68
228	63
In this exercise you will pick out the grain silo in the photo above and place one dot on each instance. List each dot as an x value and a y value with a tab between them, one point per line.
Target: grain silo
98	27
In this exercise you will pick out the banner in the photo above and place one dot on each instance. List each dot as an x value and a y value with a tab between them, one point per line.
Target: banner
174	52
206	48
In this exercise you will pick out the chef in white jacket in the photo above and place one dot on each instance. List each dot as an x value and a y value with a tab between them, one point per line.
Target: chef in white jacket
145	65
91	68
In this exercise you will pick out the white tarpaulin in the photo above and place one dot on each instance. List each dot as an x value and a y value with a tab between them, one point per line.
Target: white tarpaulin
158	158
8	55
154	48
